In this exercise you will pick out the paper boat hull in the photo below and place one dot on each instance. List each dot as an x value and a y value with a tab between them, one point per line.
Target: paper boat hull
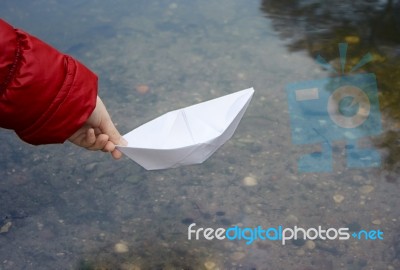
189	135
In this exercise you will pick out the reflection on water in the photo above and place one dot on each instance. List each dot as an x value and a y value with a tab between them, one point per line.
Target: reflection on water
66	208
372	26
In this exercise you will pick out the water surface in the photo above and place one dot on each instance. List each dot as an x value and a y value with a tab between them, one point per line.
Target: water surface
70	207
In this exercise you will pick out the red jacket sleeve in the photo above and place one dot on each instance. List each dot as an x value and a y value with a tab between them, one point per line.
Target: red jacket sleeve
45	96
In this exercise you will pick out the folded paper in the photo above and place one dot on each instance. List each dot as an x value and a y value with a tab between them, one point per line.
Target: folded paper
189	135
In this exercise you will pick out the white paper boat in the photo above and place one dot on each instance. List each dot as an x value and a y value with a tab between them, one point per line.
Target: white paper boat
189	135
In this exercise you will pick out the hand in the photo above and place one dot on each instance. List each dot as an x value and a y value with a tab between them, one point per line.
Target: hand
99	132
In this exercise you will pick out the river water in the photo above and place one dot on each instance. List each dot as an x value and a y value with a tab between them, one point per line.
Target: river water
62	207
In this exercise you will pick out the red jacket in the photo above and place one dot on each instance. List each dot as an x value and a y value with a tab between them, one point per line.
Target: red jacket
45	96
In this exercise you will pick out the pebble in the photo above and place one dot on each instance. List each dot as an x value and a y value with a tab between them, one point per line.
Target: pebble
133	179
338	198
209	265
121	247
366	189
173	6
299	242
249	181
291	219
353	226
6	227
357	178
91	166
300	252
310	244
142	88
241	76
377	222
352	39
237	256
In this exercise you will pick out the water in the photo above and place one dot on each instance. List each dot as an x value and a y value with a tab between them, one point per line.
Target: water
69	207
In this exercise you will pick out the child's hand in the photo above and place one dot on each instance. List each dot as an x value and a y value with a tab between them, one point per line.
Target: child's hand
99	132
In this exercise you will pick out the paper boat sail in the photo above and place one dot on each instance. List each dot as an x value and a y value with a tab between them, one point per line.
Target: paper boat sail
189	135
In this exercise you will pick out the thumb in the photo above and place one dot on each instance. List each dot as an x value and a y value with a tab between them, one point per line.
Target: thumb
108	127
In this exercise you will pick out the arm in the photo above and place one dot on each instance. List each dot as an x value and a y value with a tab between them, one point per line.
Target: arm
47	97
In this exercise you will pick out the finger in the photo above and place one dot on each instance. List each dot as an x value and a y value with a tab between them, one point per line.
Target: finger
109	129
109	147
99	143
107	126
90	137
116	154
97	131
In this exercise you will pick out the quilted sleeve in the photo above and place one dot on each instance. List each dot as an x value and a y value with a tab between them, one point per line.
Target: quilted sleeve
45	96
